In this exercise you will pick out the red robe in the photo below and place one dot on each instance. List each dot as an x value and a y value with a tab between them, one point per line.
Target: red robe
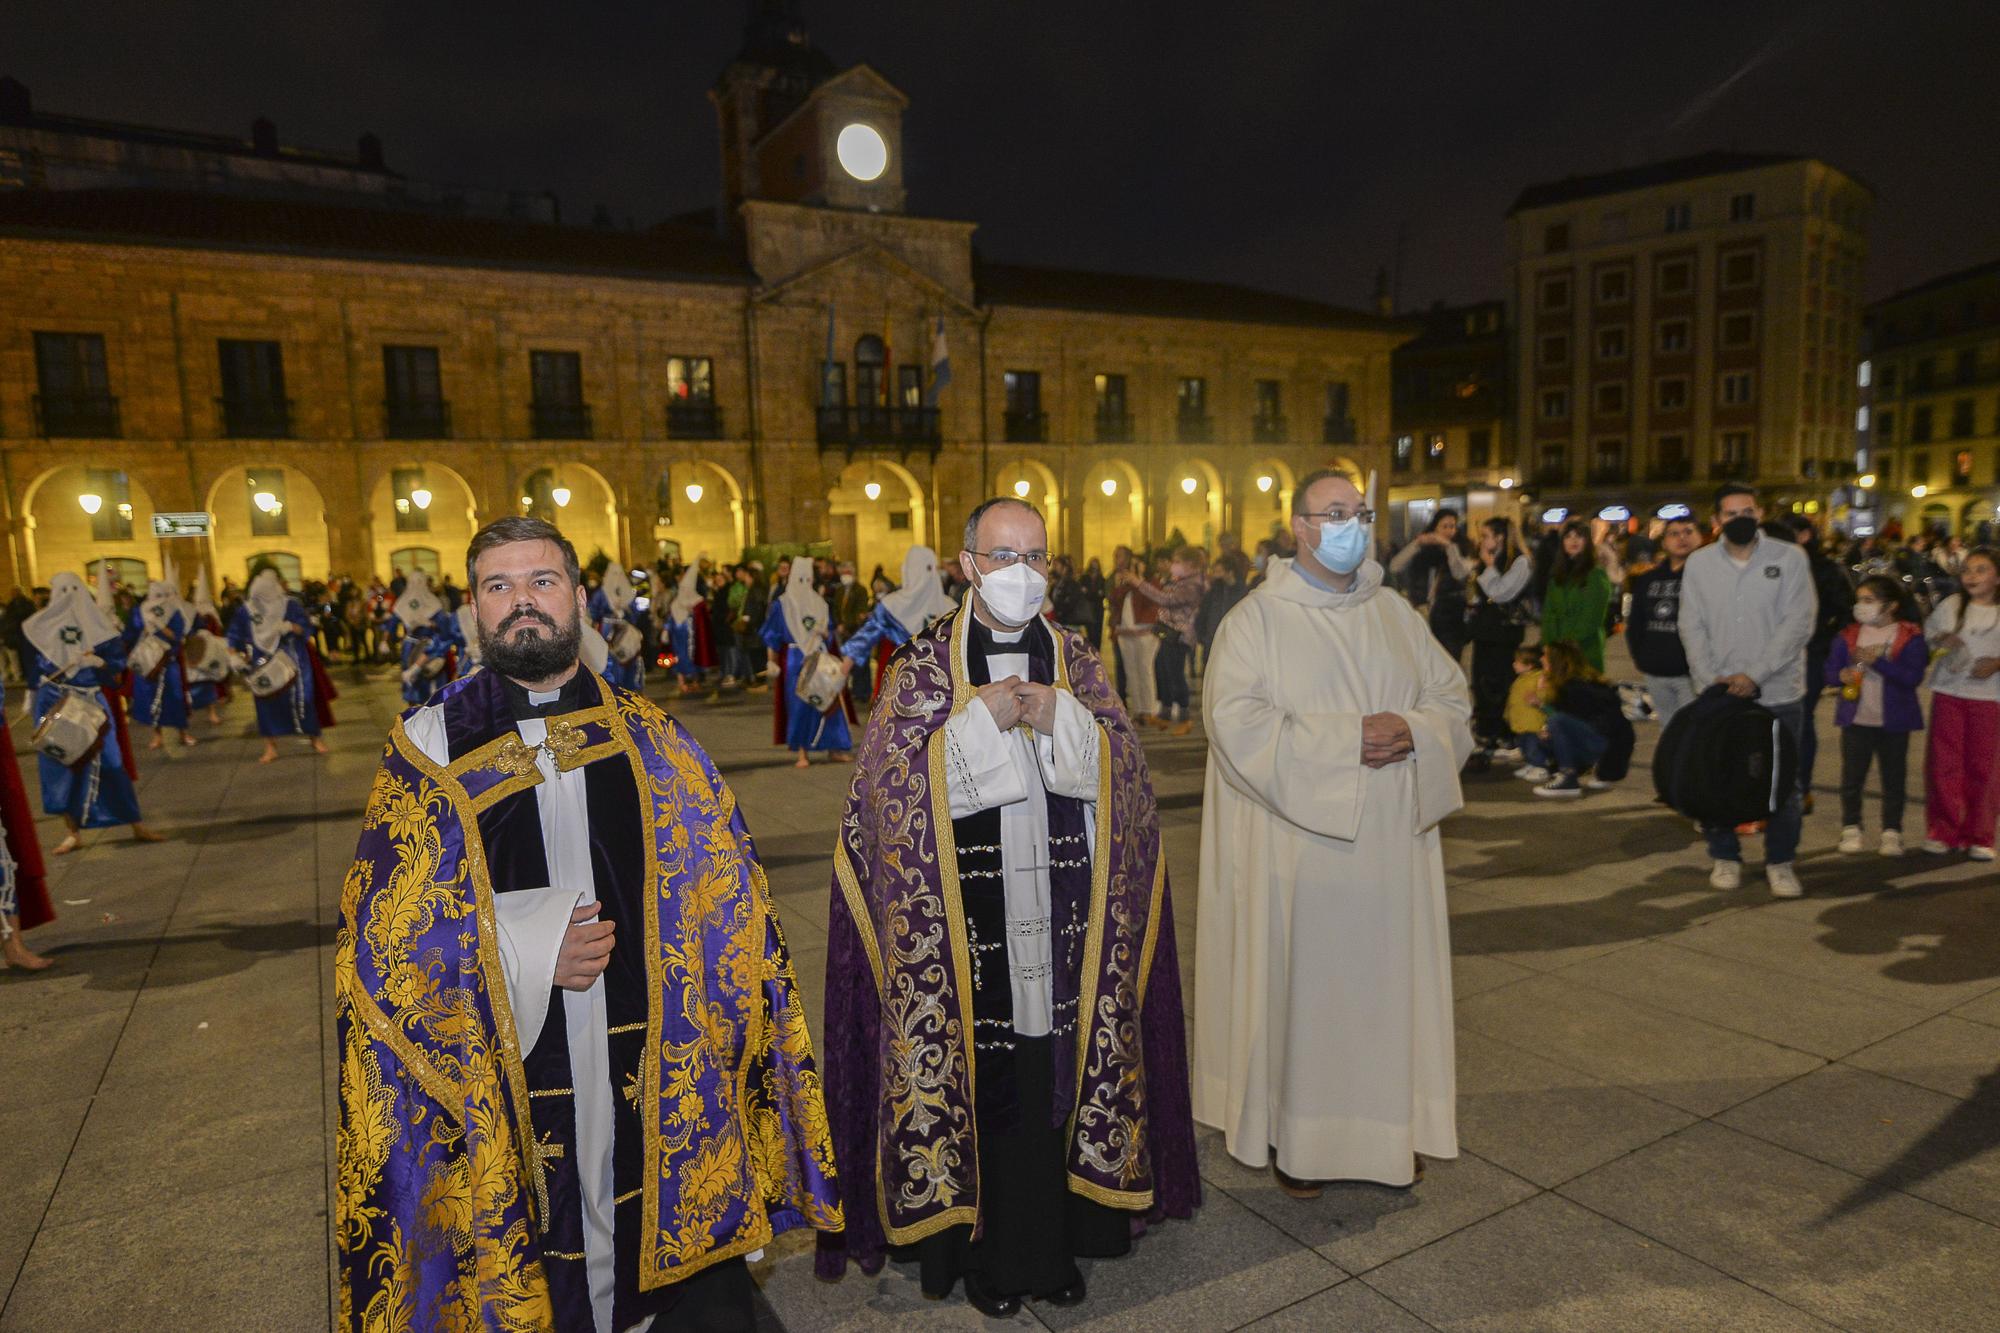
30	875
323	692
118	697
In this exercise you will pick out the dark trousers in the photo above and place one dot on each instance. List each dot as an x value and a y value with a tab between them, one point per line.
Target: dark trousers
1859	746
1492	677
1577	744
1170	676
1808	733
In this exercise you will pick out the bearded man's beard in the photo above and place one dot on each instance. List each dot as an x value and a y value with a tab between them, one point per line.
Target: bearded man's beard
549	652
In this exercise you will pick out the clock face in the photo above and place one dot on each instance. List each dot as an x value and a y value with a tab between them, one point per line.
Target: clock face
863	154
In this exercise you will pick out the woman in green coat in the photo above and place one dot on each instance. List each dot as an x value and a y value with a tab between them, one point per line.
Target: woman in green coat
1578	595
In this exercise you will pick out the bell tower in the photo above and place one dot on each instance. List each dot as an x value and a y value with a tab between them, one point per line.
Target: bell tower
795	128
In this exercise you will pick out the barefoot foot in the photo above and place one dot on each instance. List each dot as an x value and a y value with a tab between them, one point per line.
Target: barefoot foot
319	746
803	762
270	755
140	833
19	955
67	845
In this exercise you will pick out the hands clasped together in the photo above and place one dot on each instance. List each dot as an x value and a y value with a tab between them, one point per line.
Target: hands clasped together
1014	701
1385	740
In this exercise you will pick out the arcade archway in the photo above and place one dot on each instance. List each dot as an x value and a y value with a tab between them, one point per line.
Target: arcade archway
1267	500
79	514
575	498
1035	483
268	511
698	511
877	513
418	508
1194	503
1114	510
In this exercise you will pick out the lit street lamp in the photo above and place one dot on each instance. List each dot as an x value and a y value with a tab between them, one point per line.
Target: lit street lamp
90	503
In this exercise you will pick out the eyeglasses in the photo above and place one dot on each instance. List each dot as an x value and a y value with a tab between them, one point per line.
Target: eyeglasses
1004	558
1340	514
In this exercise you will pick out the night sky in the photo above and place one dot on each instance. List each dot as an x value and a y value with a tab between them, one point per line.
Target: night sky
1281	145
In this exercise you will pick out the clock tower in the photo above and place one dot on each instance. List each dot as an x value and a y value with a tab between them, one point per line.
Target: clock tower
798	129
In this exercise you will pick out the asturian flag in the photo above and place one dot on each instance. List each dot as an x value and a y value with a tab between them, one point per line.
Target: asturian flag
940	364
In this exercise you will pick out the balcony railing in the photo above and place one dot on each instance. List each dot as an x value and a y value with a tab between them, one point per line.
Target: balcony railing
1113	427
560	421
1266	429
1729	469
1609	474
693	420
416	419
255	418
1194	427
904	427
1552	474
1433	462
1337	430
78	415
1671	469
1027	427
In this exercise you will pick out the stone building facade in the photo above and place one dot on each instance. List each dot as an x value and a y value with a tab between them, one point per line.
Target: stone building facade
349	388
1451	421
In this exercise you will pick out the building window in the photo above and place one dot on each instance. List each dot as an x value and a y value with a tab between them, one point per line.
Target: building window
1555	236
1671	394
1732	450
1885	427
1555	404
909	387
1920	424
413	405
253	404
1967	367
113	520
871	375
1672	335
1479	448
1193	423
1552	464
412	499
1738	388
1611	343
1612	225
1680	216
1607	461
1740	269
1889	379
1920	466
1268	425
1610	399
270	516
1961	419
1114	413
1434	451
1921	375
556	407
1403	453
1675	277
1026	423
75	388
1555	349
1339	423
1670	458
1739	329
1742	207
1614	286
691	410
1555	292
1961	467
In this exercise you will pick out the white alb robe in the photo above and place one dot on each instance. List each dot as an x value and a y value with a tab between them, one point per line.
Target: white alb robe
532	923
1014	770
1323	1018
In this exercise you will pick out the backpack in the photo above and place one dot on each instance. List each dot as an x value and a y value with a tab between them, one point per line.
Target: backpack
1725	760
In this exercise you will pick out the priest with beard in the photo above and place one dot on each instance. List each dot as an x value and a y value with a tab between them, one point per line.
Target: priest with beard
1006	1054
577	1090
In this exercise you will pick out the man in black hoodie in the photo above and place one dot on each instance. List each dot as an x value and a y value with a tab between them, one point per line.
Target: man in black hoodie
1653	634
1836	609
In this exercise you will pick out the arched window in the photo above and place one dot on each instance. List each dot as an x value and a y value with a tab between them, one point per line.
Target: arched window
409	559
870	374
288	566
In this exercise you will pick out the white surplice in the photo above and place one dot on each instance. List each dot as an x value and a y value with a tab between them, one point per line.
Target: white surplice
532	923
986	768
1323	1019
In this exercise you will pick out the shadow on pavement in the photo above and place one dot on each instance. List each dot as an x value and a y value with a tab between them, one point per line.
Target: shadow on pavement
1972	1128
188	959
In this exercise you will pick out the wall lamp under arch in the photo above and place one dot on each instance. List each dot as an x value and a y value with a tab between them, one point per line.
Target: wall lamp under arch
873	490
561	496
90	502
694	492
421	498
1109	486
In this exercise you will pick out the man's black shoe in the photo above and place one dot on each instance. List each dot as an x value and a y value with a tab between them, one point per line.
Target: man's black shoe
1072	1294
989	1302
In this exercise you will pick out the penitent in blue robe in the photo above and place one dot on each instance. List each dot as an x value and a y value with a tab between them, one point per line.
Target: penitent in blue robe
880	627
96	793
159	700
804	729
291	712
625	675
435	639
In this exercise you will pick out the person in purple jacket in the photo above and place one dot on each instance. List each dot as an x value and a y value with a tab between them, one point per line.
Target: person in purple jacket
1877	662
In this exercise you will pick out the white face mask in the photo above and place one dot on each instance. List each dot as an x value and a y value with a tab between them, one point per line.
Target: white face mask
1013	595
847	580
1868	613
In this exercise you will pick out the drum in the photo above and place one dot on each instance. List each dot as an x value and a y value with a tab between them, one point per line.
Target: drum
148	655
626	641
69	730
206	655
274	676
821	681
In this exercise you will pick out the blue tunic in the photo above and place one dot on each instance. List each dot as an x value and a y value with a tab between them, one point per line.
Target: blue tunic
804	729
434	640
625	675
159	700
291	712
880	625
97	793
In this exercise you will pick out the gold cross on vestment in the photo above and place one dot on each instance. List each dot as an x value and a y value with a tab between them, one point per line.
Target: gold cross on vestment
564	743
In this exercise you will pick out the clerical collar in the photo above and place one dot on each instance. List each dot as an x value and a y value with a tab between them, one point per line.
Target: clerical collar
524	704
1299	568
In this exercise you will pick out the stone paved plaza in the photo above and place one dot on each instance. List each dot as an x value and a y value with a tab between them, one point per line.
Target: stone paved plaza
1679	1109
